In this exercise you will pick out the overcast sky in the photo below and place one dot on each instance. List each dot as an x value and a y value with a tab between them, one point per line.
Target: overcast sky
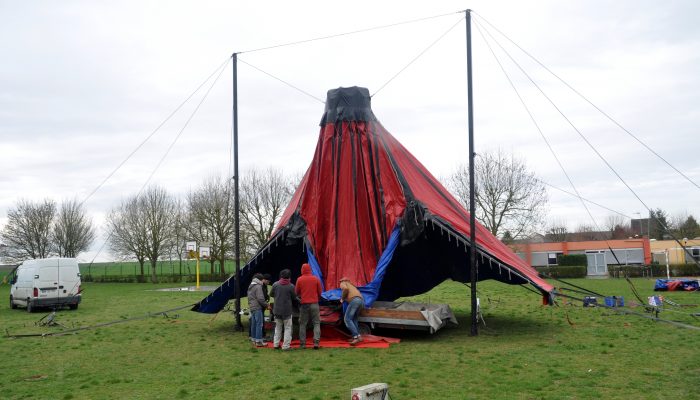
83	83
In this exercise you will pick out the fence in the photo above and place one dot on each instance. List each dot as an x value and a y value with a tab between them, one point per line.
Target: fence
166	271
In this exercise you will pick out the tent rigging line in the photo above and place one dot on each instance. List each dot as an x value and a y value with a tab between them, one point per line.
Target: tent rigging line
574	195
537	126
348	33
651	215
534	121
592	148
589	102
627	312
220	67
179	134
172	144
584	199
417	57
282	80
380	88
84	328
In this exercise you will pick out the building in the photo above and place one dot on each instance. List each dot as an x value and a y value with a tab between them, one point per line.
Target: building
600	253
663	249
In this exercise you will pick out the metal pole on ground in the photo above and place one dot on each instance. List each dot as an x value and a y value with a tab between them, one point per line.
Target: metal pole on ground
237	288
472	201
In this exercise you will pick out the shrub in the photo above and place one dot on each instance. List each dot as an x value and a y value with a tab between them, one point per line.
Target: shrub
568	271
572	260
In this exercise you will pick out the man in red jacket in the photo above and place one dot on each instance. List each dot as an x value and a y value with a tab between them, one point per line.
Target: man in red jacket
308	288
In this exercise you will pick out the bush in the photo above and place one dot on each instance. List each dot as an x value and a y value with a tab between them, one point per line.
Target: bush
568	271
569	260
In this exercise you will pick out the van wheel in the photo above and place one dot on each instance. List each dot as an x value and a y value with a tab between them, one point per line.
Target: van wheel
29	306
73	306
12	303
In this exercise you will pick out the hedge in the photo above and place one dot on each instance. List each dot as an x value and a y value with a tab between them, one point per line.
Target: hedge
569	260
568	271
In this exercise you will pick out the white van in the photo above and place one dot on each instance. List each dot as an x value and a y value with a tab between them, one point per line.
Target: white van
47	282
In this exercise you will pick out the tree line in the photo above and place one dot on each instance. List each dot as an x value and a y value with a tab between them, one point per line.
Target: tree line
510	201
658	225
155	223
42	229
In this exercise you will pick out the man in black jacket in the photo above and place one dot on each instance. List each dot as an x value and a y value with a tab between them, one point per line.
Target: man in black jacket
285	297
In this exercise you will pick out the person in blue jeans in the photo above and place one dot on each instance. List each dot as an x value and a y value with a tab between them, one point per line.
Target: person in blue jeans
356	303
256	305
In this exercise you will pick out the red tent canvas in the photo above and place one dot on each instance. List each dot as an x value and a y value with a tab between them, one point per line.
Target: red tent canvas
369	210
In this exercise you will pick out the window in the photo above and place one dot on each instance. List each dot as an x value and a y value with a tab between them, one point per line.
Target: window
695	251
552	258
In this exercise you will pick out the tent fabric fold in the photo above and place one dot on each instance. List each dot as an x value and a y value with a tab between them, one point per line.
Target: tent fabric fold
368	210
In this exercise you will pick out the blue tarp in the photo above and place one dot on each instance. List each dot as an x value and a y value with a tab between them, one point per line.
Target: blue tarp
218	299
676	284
371	291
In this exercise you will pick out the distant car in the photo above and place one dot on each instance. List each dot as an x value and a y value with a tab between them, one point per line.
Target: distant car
47	282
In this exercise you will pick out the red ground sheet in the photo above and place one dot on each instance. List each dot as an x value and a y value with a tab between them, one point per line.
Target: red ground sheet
332	337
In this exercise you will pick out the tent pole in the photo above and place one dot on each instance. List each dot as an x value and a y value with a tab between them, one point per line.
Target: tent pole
237	288
472	201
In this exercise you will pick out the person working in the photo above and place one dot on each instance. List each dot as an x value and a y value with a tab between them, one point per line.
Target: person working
352	296
256	305
285	296
308	288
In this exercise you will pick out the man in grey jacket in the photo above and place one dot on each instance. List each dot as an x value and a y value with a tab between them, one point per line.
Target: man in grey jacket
285	297
256	305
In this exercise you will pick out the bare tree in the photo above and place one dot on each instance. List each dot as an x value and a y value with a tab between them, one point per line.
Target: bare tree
586	232
180	235
127	232
557	231
73	231
618	226
264	196
508	196
212	217
27	233
142	227
158	209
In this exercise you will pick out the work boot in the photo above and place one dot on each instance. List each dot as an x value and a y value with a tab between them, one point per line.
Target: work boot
355	340
316	345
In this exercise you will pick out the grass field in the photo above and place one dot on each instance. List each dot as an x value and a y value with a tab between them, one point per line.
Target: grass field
526	351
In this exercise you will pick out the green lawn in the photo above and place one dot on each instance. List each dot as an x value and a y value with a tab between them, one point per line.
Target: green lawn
526	351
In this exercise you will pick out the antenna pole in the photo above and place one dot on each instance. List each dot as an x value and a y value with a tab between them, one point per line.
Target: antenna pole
237	288
472	200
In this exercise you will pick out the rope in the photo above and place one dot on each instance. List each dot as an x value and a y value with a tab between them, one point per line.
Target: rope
571	284
74	330
627	312
154	132
590	102
417	57
177	137
281	80
549	146
348	33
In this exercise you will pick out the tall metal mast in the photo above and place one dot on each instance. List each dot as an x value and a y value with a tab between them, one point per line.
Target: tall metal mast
237	228
472	201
